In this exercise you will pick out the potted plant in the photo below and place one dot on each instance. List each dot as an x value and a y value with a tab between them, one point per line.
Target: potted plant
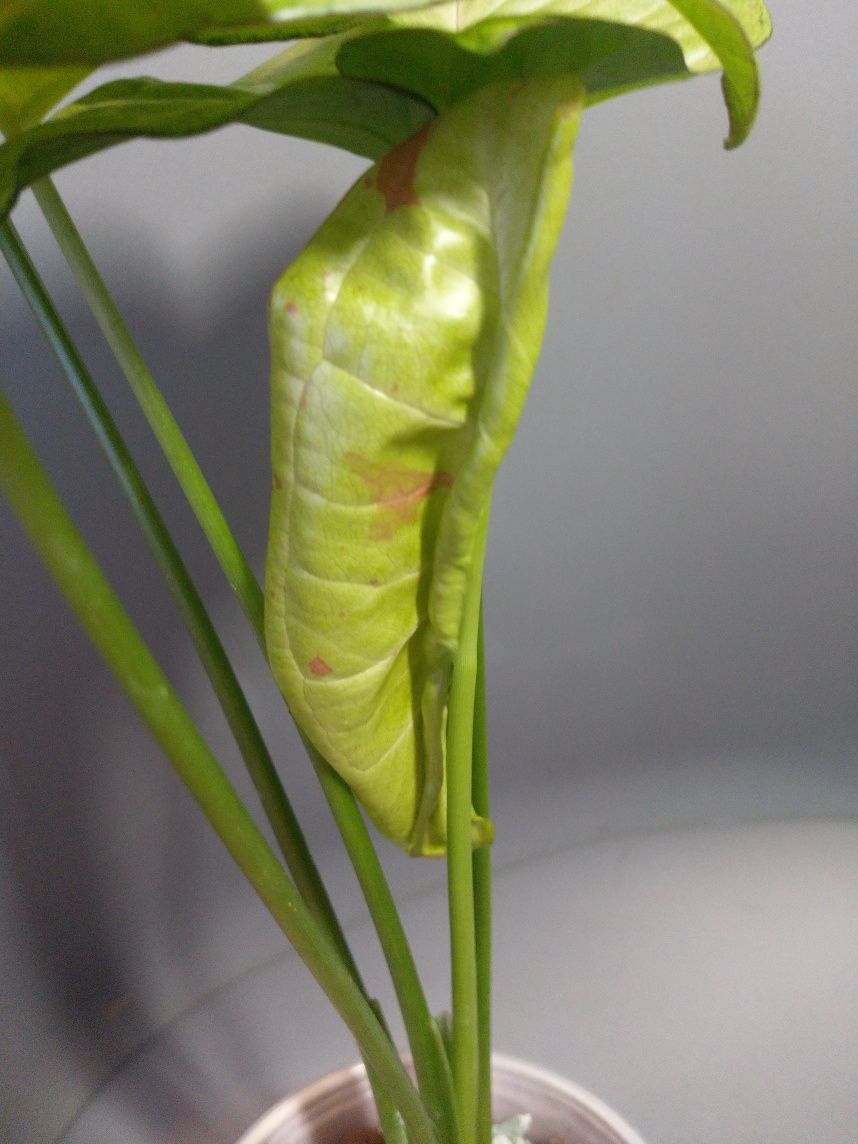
403	341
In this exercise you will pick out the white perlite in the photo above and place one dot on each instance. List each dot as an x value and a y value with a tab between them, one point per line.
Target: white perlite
512	1131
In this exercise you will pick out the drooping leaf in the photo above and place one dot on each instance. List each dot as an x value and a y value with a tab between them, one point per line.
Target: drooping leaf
710	34
27	94
403	339
733	46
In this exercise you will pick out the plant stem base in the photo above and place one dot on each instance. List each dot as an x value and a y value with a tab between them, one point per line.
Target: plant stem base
334	1109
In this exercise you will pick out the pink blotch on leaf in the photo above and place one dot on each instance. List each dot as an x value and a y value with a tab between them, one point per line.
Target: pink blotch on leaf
396	491
395	174
319	667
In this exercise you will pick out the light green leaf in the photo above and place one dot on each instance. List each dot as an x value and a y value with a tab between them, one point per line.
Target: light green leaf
308	100
729	41
27	94
403	339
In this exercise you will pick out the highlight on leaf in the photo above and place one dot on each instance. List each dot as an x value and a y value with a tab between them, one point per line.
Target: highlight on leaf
404	339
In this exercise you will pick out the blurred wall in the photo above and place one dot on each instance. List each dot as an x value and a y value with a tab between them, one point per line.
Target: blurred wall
671	586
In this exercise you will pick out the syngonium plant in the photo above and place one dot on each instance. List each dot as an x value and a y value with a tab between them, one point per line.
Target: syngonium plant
403	342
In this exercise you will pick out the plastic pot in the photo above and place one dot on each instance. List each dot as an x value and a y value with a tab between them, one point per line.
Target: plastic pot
335	1109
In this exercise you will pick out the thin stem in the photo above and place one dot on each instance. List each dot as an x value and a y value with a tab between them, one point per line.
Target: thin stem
482	899
78	575
460	731
176	449
253	750
235	567
273	797
430	1066
226	550
390	1122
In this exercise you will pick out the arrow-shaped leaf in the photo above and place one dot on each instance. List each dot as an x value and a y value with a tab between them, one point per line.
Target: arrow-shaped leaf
404	338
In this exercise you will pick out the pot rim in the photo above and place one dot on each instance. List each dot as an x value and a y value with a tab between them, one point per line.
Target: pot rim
320	1090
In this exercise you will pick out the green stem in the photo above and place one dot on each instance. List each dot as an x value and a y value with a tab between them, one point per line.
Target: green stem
240	576
77	573
253	750
206	509
460	734
176	449
426	1049
482	899
390	1122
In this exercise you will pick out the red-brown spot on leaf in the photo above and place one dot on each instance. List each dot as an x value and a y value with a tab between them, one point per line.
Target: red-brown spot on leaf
395	174
276	482
291	308
319	667
396	491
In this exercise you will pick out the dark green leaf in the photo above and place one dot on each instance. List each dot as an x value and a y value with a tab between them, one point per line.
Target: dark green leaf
27	94
361	117
444	69
90	32
709	34
46	32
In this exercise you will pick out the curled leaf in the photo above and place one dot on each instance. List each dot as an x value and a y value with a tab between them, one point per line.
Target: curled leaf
403	339
711	35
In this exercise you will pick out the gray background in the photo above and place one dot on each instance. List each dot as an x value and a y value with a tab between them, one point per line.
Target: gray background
671	584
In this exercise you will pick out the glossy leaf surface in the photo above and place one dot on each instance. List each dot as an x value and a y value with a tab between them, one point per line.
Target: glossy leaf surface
403	342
